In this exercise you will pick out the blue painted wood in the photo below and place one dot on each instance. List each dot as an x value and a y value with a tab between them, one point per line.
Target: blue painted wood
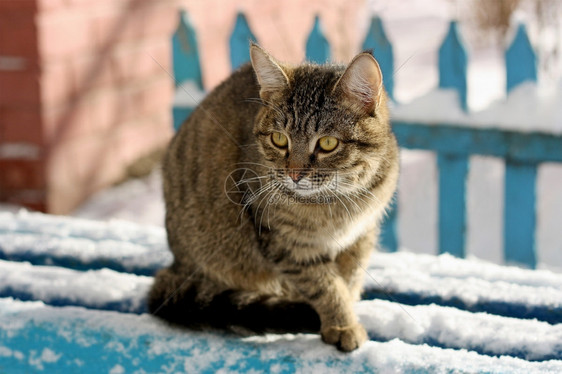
179	115
389	235
520	60
240	42
317	46
517	146
519	213
185	53
453	64
377	41
453	169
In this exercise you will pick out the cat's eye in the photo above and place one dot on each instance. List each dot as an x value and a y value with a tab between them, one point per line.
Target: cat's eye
279	139
328	143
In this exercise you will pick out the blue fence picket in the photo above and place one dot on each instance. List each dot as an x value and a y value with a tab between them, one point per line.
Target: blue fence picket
377	41
453	167
389	235
453	64
520	176
519	213
520	60
317	46
240	42
185	53
185	57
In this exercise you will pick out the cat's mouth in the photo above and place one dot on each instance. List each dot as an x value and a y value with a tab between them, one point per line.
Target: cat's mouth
308	185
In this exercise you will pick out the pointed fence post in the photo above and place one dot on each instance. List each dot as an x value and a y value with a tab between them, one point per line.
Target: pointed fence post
317	46
453	64
520	177
185	58
377	41
520	60
185	53
240	42
453	167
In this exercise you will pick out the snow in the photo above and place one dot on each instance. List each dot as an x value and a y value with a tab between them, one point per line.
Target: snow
57	310
525	110
141	250
114	339
188	95
96	289
137	200
453	328
89	243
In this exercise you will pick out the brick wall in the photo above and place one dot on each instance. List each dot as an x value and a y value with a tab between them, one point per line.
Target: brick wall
84	90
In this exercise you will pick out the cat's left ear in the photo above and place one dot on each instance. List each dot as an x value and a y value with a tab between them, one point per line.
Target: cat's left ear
270	74
361	83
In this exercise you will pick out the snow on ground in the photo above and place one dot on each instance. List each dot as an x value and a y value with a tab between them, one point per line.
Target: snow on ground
92	341
48	321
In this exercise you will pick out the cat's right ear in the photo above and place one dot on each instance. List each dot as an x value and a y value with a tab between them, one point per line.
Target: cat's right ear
271	76
361	83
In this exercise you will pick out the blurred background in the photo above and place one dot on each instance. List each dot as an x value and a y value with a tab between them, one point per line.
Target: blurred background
86	93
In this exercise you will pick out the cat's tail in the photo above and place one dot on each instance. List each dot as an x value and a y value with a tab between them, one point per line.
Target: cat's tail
178	302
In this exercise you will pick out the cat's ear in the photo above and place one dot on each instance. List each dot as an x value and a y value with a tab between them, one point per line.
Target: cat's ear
361	83
270	74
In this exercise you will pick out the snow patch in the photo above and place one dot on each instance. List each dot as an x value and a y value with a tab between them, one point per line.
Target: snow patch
526	109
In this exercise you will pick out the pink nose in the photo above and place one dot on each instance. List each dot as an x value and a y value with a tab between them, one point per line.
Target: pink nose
295	174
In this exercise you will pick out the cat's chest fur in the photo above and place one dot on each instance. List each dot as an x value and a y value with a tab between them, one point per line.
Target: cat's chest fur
326	231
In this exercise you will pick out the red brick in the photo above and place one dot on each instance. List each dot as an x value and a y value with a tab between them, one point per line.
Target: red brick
31	199
18	5
18	34
21	174
19	87
21	124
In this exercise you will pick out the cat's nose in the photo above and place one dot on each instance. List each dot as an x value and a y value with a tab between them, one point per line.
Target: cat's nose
295	175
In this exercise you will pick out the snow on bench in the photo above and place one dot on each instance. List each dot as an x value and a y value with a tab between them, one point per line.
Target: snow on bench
423	313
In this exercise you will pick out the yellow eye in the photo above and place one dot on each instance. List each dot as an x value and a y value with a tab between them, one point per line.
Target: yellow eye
279	139
328	143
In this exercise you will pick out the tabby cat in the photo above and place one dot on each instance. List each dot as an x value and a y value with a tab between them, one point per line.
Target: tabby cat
311	152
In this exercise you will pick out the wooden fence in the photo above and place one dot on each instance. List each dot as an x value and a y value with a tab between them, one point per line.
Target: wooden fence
521	152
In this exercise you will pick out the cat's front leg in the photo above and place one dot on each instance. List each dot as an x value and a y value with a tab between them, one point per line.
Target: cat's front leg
323	288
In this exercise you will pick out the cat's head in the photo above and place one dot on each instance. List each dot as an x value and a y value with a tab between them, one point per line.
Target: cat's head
321	129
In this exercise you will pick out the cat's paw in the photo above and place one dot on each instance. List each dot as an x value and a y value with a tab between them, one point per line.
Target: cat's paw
347	338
